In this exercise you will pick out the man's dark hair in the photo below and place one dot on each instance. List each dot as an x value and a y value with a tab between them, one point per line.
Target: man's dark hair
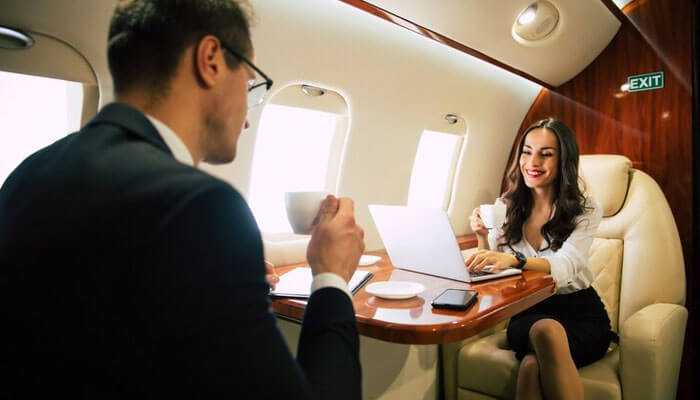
148	37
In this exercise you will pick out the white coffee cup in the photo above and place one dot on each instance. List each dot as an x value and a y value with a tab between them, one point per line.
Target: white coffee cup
302	208
493	215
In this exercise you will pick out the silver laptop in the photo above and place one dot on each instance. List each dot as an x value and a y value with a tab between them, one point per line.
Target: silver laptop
422	240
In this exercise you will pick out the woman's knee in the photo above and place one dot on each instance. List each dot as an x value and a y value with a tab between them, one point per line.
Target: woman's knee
547	334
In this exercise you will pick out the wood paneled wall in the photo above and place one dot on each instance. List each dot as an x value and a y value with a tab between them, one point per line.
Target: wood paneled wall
652	128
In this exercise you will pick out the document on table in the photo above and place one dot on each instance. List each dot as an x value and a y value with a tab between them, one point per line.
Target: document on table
297	283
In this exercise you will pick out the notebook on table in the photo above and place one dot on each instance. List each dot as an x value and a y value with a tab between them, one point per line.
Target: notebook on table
296	283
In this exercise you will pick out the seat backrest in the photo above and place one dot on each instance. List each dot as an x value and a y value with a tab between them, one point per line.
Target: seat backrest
606	264
637	256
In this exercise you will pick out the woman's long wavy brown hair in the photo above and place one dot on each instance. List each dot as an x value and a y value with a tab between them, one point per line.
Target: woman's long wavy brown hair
569	201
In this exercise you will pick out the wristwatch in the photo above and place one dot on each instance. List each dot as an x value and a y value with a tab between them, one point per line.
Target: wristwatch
521	259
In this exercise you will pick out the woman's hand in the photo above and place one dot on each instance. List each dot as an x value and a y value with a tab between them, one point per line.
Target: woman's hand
477	224
495	260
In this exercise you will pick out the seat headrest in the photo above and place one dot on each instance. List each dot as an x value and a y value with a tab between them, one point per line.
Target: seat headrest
606	178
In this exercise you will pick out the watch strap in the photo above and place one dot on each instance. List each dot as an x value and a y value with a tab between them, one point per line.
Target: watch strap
521	259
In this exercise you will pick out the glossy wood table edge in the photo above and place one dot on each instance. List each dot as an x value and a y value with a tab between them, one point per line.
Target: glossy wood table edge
413	321
467	241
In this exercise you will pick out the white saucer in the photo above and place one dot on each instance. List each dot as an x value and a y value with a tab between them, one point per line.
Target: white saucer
394	289
366	260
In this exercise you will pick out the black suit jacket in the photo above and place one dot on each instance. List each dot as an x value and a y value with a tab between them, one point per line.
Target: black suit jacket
124	273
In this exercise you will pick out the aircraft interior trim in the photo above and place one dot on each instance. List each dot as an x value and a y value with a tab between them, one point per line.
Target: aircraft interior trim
427	104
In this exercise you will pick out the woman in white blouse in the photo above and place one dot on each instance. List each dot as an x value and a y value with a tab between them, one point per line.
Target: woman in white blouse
549	227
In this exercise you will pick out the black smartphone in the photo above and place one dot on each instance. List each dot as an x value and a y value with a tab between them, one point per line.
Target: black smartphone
455	299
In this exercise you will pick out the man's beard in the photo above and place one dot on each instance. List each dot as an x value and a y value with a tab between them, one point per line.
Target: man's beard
214	142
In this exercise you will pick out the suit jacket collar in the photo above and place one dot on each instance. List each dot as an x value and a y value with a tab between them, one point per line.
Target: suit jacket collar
132	120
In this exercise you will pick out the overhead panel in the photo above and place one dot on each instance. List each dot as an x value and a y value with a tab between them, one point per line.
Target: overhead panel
584	29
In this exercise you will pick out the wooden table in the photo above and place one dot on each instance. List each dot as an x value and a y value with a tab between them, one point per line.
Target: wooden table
414	321
404	362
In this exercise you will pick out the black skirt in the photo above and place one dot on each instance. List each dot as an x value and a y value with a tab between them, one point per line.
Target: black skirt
583	316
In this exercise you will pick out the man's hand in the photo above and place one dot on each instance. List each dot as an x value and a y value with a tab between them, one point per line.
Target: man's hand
270	275
336	241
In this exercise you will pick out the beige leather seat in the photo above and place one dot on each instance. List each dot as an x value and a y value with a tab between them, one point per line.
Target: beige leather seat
638	263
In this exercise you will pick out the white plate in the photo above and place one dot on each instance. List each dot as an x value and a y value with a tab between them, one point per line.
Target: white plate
369	260
395	289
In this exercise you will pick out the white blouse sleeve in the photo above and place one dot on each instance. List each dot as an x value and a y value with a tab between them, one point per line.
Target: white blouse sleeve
567	262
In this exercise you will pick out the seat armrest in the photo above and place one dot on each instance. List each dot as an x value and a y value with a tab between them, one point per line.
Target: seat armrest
651	345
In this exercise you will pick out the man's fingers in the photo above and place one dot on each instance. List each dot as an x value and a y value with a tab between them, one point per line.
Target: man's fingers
346	207
269	267
272	280
329	207
270	275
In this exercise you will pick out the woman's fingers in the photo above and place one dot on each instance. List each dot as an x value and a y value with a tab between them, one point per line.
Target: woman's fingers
471	259
484	262
475	220
468	261
494	260
476	258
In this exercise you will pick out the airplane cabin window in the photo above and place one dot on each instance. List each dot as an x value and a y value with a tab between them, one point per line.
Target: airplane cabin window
299	146
433	169
34	112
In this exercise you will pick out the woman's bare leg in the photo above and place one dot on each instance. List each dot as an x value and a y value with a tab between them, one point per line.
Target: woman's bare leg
528	386
558	374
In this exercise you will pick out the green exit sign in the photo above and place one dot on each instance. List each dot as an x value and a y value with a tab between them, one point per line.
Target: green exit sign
650	81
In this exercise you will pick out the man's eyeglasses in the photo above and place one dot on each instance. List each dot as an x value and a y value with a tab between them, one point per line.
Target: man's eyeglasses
257	88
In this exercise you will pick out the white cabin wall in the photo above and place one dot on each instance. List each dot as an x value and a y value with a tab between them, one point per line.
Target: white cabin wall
397	83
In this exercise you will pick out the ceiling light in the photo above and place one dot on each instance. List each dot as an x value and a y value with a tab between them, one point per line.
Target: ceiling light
452	118
14	39
536	22
625	87
312	91
528	15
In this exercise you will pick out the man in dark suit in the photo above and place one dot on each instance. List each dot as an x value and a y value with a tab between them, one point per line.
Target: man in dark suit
127	272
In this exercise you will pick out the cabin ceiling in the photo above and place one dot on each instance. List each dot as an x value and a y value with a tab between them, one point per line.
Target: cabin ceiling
82	24
585	28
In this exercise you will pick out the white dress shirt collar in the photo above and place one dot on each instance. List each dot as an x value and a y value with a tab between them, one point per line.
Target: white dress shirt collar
174	143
